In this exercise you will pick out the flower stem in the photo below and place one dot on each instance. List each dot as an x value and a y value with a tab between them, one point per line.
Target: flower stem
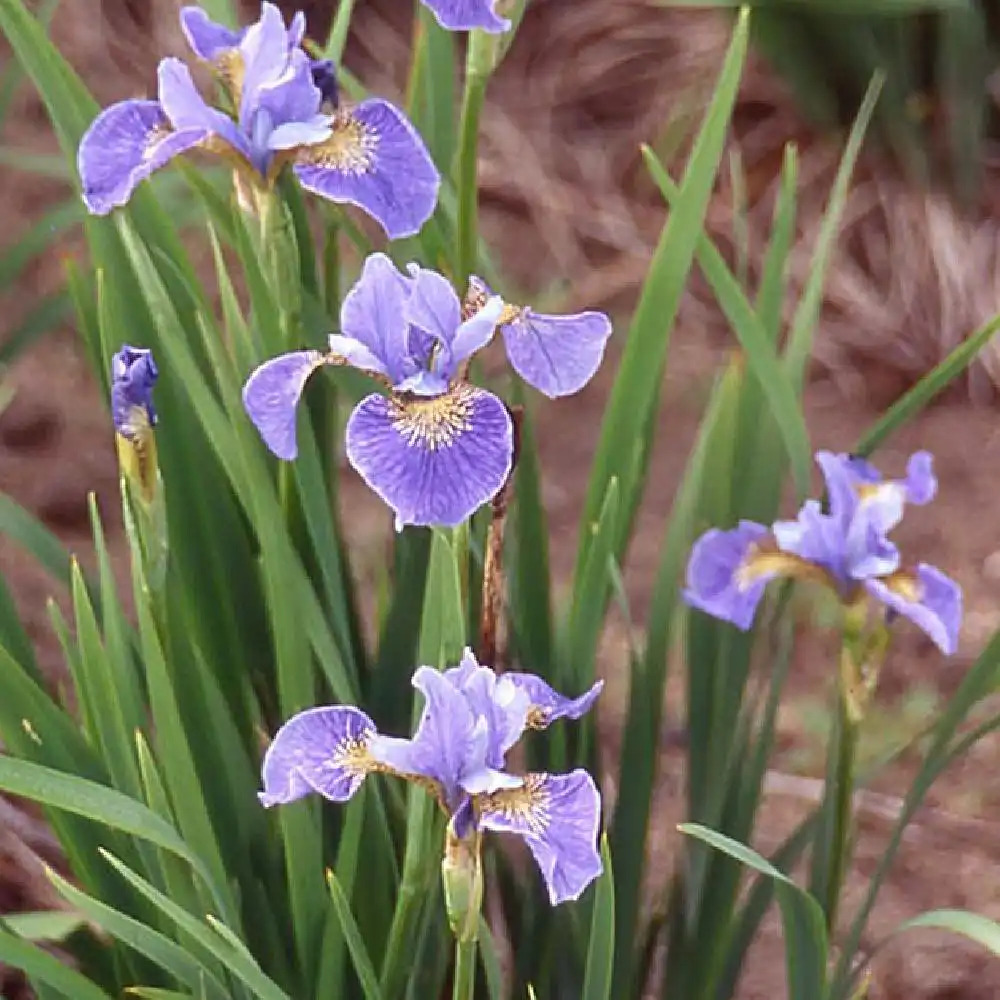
465	970
478	67
841	843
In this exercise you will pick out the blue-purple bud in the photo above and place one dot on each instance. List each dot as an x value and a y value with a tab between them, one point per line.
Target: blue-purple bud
133	374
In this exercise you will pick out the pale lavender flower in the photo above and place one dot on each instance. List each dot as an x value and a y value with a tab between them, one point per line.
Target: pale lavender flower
845	546
464	15
436	447
285	112
471	718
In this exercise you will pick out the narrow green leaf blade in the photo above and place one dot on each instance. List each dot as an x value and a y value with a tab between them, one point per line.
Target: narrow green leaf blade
601	947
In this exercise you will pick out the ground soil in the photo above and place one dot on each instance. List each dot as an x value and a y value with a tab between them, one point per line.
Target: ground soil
55	448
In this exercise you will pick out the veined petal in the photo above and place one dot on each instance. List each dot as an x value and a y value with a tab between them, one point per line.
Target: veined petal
476	332
448	744
503	704
292	97
374	159
321	750
126	143
186	108
546	704
558	355
929	598
356	354
293	134
423	383
464	15
297	30
723	579
434	460
264	52
557	816
374	315
433	305
207	39
434	309
271	396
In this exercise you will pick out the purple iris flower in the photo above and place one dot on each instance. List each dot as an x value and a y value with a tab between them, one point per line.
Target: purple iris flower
464	15
436	447
133	374
471	719
285	110
845	546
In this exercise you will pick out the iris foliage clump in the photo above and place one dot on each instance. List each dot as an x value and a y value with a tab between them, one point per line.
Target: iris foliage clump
489	831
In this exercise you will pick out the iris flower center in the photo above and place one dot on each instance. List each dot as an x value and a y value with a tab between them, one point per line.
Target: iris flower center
436	421
351	148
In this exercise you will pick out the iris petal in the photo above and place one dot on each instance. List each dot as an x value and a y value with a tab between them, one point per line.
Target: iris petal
124	145
716	579
557	816
376	160
558	355
207	39
434	460
929	598
271	397
373	315
547	704
503	705
321	750
464	15
186	108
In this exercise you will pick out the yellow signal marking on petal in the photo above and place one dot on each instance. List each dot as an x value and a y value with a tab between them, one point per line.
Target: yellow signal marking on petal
529	805
350	149
352	754
537	717
760	562
906	585
229	65
436	421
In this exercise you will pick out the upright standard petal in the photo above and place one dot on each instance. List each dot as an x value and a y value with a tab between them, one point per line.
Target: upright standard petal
558	355
464	15
271	396
321	750
374	159
434	309
292	98
450	747
126	143
207	39
557	816
722	579
547	704
187	109
929	598
264	53
373	318
503	705
433	460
